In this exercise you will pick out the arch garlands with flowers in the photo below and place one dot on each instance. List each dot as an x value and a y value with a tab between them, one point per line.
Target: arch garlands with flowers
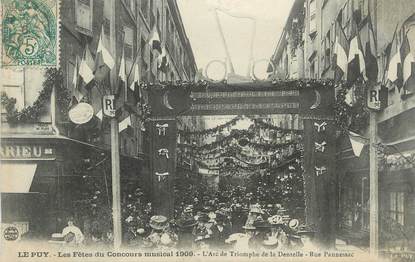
344	117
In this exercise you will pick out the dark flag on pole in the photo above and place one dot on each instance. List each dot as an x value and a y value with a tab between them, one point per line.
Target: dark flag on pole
408	62
155	42
394	71
341	49
371	62
356	62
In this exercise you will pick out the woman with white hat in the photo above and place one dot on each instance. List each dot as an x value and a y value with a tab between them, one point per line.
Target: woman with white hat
160	235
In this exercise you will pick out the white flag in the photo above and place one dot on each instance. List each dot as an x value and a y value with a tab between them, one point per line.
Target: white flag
124	124
136	77
122	73
86	66
99	115
104	60
357	142
76	89
350	97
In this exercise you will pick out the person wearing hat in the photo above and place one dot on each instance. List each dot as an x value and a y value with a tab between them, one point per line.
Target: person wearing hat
185	225
278	233
72	234
202	232
306	234
255	214
221	228
238	218
262	231
160	236
242	241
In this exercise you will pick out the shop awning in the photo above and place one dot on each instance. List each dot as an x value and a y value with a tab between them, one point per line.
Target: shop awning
16	178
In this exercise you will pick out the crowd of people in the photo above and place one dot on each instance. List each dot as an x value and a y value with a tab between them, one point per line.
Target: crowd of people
213	222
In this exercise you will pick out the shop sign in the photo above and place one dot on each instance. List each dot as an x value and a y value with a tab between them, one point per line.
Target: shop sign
82	113
108	105
26	152
377	97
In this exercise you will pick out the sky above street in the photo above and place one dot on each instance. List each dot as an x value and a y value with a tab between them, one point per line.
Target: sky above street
204	35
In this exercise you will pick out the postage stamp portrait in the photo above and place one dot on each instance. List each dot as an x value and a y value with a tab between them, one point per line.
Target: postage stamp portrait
30	32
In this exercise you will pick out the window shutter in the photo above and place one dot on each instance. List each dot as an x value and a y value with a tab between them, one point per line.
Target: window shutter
83	15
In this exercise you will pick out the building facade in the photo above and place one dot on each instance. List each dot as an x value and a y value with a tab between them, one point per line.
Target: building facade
56	154
391	20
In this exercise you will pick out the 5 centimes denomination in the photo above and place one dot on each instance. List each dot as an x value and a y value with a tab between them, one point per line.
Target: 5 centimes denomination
30	33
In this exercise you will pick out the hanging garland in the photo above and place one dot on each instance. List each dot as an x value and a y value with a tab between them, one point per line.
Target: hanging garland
224	86
263	125
211	131
53	78
354	118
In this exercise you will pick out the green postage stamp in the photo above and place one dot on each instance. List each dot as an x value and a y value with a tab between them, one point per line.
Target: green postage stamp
30	32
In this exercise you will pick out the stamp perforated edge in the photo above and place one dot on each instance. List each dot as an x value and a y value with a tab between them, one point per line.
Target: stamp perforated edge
57	48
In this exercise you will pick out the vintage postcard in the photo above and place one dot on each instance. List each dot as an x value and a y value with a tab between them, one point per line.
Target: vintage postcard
207	130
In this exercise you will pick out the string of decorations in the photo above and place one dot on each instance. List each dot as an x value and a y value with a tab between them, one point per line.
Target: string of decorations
234	162
53	78
263	125
260	84
211	131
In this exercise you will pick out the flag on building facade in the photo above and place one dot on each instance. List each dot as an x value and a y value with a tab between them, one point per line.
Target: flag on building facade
124	124
350	97
162	60
86	67
408	61
100	115
104	61
135	80
75	80
123	76
394	70
341	49
357	142
371	62
356	62
155	42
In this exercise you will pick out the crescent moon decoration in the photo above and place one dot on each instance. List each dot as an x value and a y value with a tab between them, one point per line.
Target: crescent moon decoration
318	100
166	102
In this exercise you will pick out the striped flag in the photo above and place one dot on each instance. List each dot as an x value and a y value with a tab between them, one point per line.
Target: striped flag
155	42
371	62
86	68
341	49
104	61
394	70
356	60
77	92
408	62
123	76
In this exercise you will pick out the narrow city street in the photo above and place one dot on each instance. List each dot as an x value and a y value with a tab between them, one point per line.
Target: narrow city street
195	127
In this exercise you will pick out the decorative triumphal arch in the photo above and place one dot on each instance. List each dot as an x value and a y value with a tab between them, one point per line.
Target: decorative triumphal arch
313	101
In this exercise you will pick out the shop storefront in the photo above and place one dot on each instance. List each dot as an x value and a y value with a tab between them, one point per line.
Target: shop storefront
46	180
353	200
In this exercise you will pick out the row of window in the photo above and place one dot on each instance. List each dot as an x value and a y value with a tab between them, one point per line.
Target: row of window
352	9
